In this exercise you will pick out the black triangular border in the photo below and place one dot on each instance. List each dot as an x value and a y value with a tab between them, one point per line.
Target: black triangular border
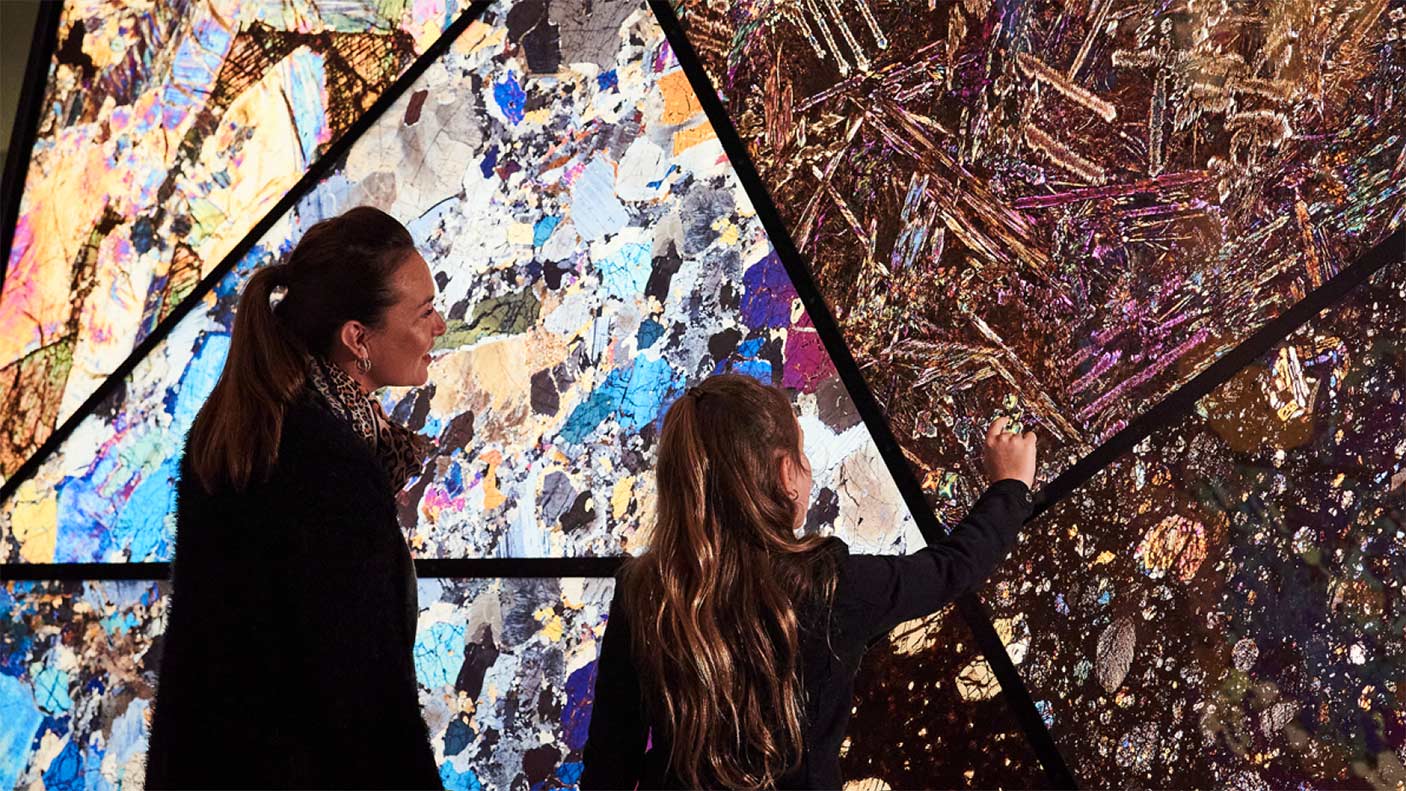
1017	697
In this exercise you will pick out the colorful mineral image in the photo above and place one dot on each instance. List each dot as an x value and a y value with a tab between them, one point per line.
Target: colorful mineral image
929	712
78	665
167	131
505	669
1075	207
1222	607
595	256
1061	213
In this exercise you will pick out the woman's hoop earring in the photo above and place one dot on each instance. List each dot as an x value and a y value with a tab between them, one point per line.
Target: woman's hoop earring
363	364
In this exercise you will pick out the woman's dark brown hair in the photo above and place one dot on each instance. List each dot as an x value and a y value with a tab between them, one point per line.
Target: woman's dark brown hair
340	271
714	602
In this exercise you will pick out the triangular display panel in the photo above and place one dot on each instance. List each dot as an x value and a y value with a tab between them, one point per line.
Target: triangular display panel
1059	212
572	201
595	255
166	133
1223	605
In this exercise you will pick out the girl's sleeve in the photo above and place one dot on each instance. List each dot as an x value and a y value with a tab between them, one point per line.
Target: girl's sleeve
615	744
888	590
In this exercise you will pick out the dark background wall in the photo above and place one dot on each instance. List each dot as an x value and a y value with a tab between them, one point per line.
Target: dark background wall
16	34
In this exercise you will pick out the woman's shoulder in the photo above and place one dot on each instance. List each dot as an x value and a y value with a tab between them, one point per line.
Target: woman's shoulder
830	557
628	575
314	438
305	420
863	576
835	547
311	438
331	473
321	460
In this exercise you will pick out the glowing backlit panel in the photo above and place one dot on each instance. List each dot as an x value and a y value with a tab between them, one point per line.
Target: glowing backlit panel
505	669
929	713
167	131
1224	605
1062	210
595	256
78	667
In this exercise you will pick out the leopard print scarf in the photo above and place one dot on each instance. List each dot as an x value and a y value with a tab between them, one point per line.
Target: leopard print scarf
402	452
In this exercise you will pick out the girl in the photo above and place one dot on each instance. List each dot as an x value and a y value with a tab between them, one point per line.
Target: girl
729	656
287	657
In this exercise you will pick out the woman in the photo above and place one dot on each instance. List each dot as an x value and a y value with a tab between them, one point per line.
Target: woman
730	653
287	658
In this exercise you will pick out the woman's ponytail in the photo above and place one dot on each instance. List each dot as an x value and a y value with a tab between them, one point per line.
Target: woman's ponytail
234	440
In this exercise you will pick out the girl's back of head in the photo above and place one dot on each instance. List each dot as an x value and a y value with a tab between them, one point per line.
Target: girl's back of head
713	603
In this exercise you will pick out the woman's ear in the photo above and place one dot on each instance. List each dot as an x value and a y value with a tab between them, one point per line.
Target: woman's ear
353	336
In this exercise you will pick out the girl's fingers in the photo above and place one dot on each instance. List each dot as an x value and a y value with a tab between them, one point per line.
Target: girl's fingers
997	427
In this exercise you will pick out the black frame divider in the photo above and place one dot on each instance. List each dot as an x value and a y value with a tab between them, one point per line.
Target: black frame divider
78	572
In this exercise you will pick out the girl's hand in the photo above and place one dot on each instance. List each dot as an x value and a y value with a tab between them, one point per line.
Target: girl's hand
1009	455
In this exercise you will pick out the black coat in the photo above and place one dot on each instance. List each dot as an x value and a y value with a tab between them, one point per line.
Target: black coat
288	653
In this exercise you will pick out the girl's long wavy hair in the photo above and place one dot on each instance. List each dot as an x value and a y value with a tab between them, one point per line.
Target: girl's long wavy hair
714	604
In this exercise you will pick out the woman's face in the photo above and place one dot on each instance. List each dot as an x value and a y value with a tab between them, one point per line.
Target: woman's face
400	348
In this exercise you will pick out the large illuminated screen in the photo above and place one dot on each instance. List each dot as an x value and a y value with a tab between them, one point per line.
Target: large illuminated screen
1223	605
595	255
167	130
1061	211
